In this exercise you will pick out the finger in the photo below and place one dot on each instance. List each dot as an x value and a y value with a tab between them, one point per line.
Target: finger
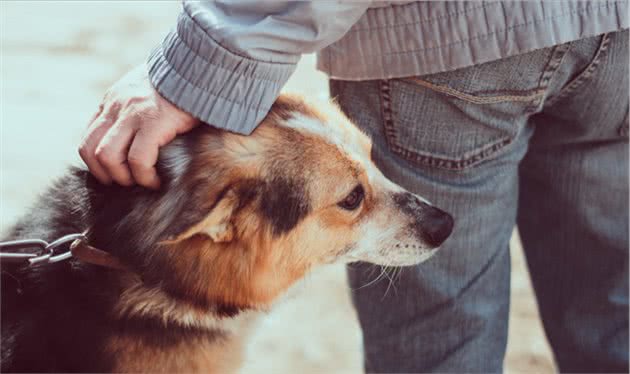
87	148
112	151
143	156
96	115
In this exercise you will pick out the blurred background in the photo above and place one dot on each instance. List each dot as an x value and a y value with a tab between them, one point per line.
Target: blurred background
57	58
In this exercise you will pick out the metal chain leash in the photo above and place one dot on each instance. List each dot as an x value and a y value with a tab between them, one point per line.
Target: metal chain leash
44	251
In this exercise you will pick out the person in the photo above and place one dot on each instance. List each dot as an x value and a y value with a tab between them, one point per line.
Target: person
499	112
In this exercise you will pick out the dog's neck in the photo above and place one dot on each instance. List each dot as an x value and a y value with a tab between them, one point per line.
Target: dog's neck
137	300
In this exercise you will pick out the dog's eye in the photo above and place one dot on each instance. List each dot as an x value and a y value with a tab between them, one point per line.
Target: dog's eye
353	200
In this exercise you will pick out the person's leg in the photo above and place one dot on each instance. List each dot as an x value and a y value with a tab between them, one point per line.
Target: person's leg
455	138
573	213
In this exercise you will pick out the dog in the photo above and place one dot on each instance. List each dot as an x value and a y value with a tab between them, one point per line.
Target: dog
237	221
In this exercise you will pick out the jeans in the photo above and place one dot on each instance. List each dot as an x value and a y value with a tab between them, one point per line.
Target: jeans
539	140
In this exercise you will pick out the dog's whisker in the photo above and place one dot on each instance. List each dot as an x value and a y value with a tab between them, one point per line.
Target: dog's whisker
375	280
391	283
396	273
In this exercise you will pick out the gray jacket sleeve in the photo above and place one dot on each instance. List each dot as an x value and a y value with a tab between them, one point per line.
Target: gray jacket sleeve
225	62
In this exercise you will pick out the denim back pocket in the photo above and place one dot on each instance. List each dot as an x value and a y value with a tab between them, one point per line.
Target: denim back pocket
457	119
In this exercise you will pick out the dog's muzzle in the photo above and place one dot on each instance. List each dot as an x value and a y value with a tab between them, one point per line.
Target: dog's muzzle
431	224
436	225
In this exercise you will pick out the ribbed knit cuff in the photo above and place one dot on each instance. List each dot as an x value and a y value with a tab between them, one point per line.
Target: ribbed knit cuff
215	85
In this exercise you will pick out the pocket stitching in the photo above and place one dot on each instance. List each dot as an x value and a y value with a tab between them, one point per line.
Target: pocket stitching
532	96
586	74
454	164
391	135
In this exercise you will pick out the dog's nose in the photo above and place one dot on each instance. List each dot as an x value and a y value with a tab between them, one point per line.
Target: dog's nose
437	225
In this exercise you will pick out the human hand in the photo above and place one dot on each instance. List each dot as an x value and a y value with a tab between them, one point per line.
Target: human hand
123	138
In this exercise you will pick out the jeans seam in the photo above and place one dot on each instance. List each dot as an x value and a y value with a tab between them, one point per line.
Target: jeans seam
479	155
625	126
586	74
386	109
557	55
481	100
534	96
391	135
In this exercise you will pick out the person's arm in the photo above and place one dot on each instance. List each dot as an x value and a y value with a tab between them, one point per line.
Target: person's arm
224	64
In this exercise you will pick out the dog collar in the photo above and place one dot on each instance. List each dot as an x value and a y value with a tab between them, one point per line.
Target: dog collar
91	255
14	251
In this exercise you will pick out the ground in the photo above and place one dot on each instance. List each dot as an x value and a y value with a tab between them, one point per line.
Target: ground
57	60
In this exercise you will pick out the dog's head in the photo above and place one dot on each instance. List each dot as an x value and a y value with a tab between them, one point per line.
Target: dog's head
241	218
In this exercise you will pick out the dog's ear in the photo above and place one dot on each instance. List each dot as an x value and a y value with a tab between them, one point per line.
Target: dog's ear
217	224
217	221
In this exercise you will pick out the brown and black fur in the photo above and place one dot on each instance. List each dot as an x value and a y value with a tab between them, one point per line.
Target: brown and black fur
57	317
237	221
